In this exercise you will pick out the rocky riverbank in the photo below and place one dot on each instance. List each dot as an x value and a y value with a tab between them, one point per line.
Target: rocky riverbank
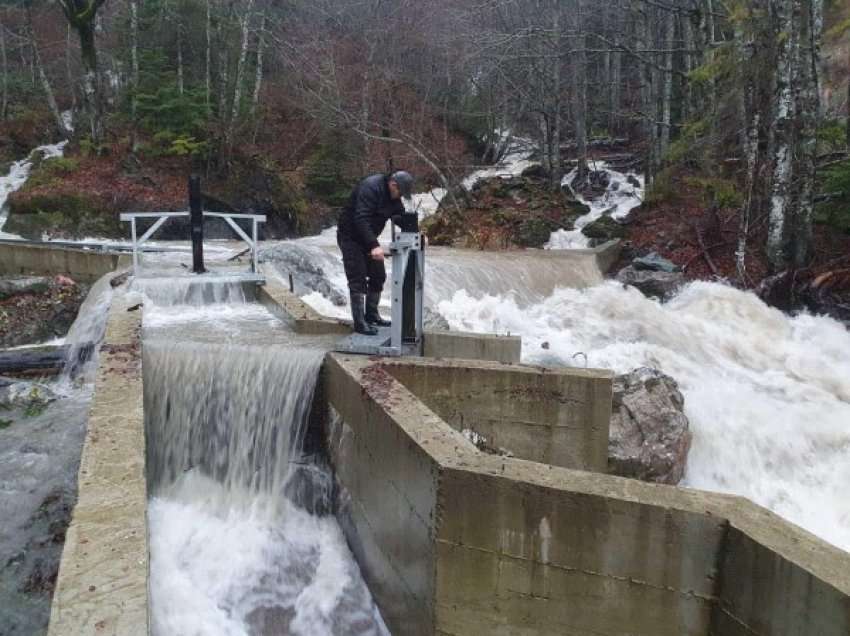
37	309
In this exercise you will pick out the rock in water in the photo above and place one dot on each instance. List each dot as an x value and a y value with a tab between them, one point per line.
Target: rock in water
654	263
663	285
433	320
650	435
605	228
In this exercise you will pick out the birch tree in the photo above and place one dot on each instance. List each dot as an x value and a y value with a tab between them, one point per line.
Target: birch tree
4	80
783	135
81	15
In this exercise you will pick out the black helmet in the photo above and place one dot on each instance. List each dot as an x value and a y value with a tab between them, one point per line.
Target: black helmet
404	181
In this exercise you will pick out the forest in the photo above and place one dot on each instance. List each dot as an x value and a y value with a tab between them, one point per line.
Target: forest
736	111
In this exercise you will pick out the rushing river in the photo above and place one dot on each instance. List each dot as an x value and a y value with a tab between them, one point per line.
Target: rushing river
767	394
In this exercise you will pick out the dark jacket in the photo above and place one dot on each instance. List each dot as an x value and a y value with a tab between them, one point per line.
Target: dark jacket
368	211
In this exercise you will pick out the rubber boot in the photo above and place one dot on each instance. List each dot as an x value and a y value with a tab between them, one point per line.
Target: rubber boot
373	316
358	315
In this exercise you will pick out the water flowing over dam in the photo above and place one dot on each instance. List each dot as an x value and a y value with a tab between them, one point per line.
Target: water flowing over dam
242	539
290	489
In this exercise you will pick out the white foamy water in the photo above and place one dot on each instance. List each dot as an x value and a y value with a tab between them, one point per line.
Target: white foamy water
241	539
767	395
17	177
620	198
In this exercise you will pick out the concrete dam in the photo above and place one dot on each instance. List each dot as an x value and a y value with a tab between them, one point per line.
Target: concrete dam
239	477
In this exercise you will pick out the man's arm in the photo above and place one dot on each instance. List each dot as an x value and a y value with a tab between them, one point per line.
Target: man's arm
364	206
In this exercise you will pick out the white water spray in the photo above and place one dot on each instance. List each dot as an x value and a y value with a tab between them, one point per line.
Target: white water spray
17	177
235	545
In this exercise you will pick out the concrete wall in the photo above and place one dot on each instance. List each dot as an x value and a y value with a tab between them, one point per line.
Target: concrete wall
509	546
102	583
437	344
388	504
82	265
559	417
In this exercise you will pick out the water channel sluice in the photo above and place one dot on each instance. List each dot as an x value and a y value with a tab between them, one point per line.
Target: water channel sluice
241	536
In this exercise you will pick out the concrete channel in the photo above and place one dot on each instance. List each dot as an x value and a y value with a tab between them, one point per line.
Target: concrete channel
456	541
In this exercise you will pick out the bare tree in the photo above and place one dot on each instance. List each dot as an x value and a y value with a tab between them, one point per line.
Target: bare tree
42	76
81	15
4	68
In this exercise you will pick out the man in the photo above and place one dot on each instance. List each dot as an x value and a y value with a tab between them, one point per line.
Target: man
373	202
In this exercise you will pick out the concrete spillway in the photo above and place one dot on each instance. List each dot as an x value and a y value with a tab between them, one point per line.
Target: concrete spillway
445	539
241	536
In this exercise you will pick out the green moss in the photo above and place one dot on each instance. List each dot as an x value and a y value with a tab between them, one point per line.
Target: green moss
326	170
720	193
60	213
836	211
604	228
661	189
51	171
534	232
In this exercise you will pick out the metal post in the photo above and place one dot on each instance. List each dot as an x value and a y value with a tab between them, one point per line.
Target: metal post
135	247
409	223
196	215
254	247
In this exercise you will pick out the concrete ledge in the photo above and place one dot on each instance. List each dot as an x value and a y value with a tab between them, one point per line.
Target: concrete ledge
508	546
437	344
607	254
554	416
82	265
102	584
472	346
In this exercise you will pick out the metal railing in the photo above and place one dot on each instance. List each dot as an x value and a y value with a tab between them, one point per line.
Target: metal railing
162	217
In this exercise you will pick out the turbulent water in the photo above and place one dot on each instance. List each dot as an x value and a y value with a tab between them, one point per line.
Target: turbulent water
240	539
767	394
18	174
40	447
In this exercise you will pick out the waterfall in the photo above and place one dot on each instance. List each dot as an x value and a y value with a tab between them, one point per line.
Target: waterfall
241	542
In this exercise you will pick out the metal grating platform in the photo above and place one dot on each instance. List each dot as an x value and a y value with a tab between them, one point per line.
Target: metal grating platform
380	345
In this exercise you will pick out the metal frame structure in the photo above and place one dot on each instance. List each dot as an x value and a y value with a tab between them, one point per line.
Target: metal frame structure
161	217
404	336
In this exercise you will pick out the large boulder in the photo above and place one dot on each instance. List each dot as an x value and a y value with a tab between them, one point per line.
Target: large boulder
650	435
654	263
605	228
653	284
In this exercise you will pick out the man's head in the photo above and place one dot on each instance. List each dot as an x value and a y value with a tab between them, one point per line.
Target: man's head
401	185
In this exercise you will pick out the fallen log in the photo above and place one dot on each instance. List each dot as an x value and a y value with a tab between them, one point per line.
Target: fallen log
44	360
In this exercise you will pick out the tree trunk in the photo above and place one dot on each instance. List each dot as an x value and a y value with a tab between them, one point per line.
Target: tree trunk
82	15
750	78
556	172
223	79
809	106
91	81
258	79
579	86
783	127
642	33
208	59
240	70
43	79
180	86
616	78
69	75
689	43
134	56
4	63
667	95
